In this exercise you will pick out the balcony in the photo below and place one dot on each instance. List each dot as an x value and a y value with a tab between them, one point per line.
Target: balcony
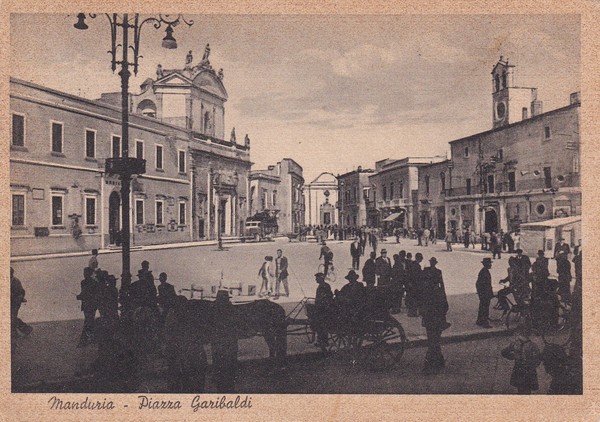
393	203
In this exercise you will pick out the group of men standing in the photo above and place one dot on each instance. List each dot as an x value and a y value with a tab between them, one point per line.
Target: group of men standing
99	293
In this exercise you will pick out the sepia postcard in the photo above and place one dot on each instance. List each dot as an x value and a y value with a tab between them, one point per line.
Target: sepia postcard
299	211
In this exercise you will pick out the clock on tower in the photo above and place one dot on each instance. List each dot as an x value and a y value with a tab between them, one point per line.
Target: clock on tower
510	103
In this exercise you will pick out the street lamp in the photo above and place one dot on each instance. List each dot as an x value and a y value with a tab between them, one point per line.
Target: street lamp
126	166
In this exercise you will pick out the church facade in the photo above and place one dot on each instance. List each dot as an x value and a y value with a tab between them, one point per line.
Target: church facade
195	185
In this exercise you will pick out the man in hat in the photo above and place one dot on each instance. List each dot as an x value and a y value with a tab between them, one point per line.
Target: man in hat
17	297
540	272
523	262
281	274
327	256
485	293
93	264
353	293
368	271
383	269
434	307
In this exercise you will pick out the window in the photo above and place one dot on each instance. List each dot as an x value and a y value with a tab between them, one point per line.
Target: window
547	177
139	211
182	213
57	137
504	84
547	133
159	212
524	113
181	161
159	157
18	130
443	181
116	146
401	190
392	190
263	199
90	211
512	184
385	193
500	155
427	185
497	80
354	190
490	183
468	186
540	209
274	198
90	143
139	149
57	210
18	209
466	152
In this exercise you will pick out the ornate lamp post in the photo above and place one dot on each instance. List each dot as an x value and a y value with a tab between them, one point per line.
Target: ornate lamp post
126	166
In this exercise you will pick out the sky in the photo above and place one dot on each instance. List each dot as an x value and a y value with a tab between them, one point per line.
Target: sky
331	92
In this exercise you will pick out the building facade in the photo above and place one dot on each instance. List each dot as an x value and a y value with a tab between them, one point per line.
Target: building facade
393	199
354	188
278	190
433	186
62	200
525	169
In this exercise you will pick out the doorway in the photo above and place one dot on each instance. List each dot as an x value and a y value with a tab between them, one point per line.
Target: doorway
491	221
114	216
222	218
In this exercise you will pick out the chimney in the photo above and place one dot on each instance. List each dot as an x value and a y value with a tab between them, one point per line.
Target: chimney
575	98
536	108
360	167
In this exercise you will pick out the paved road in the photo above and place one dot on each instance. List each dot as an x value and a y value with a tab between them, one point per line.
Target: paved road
52	284
472	367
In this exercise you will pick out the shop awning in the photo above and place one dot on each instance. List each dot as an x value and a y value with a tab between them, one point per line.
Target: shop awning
392	216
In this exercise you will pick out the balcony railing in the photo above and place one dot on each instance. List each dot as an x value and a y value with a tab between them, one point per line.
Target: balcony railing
392	203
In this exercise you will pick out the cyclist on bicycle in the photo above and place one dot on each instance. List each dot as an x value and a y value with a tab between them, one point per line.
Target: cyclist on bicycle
327	256
517	283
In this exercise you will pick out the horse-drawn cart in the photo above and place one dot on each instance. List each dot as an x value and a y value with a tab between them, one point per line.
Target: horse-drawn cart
372	338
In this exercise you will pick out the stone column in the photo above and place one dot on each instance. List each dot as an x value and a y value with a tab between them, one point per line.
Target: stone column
476	219
503	223
227	216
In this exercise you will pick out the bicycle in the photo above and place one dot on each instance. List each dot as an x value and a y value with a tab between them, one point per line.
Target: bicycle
331	274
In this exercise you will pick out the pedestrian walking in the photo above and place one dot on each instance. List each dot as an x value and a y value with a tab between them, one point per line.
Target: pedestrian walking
281	274
434	307
266	274
526	355
496	245
327	256
89	306
473	239
426	234
355	253
485	293
449	241
433	236
467	238
374	241
17	298
419	236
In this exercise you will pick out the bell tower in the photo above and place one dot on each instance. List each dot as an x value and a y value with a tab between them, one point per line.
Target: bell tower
511	103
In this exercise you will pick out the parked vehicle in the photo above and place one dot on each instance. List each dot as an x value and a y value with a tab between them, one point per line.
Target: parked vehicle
261	226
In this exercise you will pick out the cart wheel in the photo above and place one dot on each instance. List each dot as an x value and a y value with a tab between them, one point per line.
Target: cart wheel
337	342
513	319
497	311
385	346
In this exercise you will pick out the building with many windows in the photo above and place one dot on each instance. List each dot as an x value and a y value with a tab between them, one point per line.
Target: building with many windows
354	189
393	196
63	200
525	169
433	187
278	191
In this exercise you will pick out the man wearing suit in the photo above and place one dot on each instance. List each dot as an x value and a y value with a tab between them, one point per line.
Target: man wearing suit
383	269
281	274
368	271
561	247
355	252
485	293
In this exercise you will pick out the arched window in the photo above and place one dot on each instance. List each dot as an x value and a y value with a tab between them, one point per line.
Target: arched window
147	108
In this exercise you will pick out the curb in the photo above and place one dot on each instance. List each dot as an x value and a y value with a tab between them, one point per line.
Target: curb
307	357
